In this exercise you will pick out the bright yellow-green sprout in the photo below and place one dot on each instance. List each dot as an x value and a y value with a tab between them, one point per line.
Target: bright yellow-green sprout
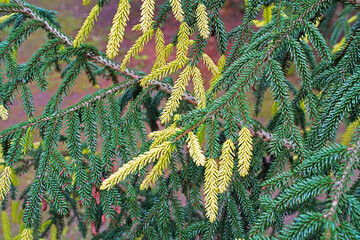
159	49
45	225
5	226
195	149
19	219
87	26
27	234
211	190
199	88
137	163
209	63
244	151
117	31
161	136
183	43
168	50
177	10
202	21
274	109
53	232
350	132
4	114
163	71
6	178
137	47
201	133
4	18
267	14
14	210
86	2
156	171
147	14
28	140
174	101
226	164
216	75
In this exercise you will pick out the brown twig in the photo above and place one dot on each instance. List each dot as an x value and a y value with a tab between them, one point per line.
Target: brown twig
339	186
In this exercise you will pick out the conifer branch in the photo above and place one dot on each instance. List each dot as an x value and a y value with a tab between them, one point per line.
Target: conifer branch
340	186
86	101
121	124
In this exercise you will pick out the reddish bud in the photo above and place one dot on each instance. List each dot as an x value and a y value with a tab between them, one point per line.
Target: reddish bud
97	198
93	192
118	209
44	205
93	229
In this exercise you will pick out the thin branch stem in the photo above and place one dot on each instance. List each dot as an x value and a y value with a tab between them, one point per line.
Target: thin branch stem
339	186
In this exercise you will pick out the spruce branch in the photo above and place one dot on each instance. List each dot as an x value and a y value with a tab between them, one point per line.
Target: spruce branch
339	187
97	57
61	113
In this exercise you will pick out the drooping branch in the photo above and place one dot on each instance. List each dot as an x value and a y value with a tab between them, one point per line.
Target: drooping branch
86	101
116	66
97	58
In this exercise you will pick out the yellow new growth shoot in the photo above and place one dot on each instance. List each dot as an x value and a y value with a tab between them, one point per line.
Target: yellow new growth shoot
5	226
159	49
3	113
116	34
209	63
137	47
174	101
216	75
14	210
267	14
137	163
26	234
183	43
87	26
6	17
177	10
195	149
53	232
163	71
168	50
244	151
156	172
338	46
28	141
86	2
226	164
6	177
350	132
147	14
211	189
202	21
199	88
161	136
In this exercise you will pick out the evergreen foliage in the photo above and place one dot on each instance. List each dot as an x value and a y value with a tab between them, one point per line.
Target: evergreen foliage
191	164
